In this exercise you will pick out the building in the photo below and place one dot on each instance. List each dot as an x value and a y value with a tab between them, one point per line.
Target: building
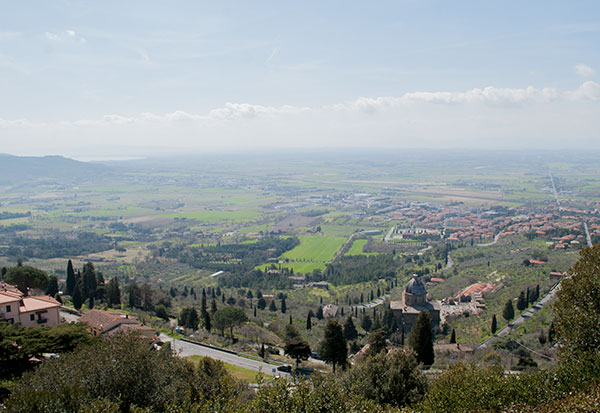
28	311
112	322
414	301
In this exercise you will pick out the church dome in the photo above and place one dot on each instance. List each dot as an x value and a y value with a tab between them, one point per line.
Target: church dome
415	286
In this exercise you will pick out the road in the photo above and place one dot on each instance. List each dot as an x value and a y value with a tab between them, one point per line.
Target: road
554	189
588	239
185	349
496	237
524	316
389	234
374	303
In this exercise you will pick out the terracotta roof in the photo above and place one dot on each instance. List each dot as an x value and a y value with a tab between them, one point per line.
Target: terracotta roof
105	321
37	303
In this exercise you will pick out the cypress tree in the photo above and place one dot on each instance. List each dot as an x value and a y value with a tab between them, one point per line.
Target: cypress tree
254	311
494	324
52	288
204	312
213	306
70	278
308	322
521	302
77	300
420	339
283	306
114	293
509	312
350	332
290	319
453	337
272	306
320	313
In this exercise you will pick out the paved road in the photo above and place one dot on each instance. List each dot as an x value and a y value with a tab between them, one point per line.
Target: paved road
185	349
588	239
375	303
490	243
524	316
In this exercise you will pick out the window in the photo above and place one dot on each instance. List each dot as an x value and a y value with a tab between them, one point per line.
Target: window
32	317
8	308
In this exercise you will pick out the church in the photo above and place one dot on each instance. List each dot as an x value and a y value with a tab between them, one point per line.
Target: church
414	300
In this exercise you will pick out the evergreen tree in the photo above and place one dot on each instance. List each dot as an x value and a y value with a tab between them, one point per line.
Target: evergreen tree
262	353
453	337
88	286
261	303
521	302
320	313
204	312
362	299
377	342
420	339
308	321
290	319
77	298
223	298
333	348
509	312
551	333
298	349
254	311
378	292
100	287
114	293
283	306
350	332
188	318
213	306
528	296
537	292
366	323
91	302
272	306
494	324
52	288
70	278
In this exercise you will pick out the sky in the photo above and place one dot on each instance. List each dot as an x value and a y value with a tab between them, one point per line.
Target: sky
135	78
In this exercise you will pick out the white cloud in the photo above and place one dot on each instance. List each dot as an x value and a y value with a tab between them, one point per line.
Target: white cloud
246	110
584	70
589	90
65	36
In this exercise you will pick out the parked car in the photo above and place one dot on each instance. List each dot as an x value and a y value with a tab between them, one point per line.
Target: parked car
285	368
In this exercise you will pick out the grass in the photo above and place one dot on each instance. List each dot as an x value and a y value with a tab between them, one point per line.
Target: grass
357	248
315	248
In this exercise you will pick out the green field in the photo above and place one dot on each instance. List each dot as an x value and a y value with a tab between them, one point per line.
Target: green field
357	248
315	248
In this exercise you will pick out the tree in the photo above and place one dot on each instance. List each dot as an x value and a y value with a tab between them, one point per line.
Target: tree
298	349
52	288
320	313
333	348
366	323
213	306
453	337
420	339
229	317
113	293
77	298
350	332
188	318
204	312
377	343
88	286
494	324
392	378
272	306
261	303
509	312
308	321
261	352
70	278
290	332
577	310
283	306
521	302
25	277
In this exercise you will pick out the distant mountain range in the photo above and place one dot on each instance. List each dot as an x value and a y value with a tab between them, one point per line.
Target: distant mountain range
19	169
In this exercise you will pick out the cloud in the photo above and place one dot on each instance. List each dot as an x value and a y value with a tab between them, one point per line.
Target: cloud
65	36
272	55
488	96
247	110
589	90
584	71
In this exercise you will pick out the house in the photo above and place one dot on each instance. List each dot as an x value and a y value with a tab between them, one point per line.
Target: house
111	322
330	310
28	311
414	301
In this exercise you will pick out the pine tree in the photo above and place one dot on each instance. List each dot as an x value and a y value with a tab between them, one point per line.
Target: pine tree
494	324
308	321
420	339
77	298
333	348
509	312
283	306
70	278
